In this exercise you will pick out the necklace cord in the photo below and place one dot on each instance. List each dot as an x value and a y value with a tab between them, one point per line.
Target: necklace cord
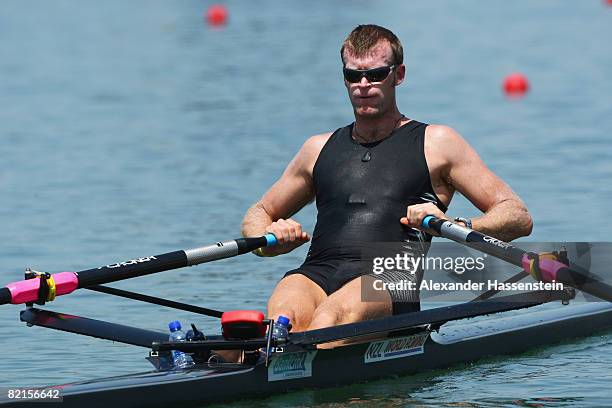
359	137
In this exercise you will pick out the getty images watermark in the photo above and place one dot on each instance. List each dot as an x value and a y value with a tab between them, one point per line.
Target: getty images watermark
411	265
446	271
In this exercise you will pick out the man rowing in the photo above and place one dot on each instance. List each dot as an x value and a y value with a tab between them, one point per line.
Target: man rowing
373	180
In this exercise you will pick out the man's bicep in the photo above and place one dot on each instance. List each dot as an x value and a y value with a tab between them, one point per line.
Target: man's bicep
295	188
288	195
472	178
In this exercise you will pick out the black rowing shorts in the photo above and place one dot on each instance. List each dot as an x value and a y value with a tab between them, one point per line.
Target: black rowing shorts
334	268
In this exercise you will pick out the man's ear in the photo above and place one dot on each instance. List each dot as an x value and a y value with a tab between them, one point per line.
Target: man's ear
400	74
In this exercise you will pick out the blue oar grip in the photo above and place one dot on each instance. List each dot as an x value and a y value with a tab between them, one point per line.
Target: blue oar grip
426	220
270	240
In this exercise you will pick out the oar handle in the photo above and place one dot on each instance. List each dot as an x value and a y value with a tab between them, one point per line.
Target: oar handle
270	239
66	282
429	221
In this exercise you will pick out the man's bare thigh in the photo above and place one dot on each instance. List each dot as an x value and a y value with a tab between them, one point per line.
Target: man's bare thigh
296	297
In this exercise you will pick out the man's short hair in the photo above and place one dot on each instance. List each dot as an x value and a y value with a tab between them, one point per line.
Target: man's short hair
364	37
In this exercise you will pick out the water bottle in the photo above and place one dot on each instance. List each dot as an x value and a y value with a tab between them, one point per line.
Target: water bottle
280	331
180	359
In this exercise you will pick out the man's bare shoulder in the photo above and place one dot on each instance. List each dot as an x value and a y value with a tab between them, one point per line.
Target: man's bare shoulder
317	142
442	136
313	145
446	142
305	159
445	148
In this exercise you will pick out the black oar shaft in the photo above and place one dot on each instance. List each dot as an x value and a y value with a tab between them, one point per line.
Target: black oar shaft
65	282
585	283
574	276
5	296
165	262
132	269
476	240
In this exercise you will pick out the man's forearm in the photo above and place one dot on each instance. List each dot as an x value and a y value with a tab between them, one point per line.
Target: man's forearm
507	221
255	221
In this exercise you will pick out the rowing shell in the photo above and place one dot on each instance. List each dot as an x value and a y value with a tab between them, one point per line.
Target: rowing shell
461	341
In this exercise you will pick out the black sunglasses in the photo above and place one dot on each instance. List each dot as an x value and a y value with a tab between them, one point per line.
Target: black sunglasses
372	75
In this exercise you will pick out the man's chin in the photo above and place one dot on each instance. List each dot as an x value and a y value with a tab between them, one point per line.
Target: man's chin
367	112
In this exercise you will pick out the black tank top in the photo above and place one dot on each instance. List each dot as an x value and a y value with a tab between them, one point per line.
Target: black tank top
363	189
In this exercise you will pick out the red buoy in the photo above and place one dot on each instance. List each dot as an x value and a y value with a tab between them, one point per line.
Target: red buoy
608	2
516	84
216	15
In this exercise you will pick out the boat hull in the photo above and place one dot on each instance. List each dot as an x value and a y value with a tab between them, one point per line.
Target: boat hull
463	341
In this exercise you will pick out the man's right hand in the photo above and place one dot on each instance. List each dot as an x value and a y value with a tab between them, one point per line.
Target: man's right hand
289	235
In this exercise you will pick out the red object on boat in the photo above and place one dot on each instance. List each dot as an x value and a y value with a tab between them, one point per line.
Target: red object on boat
243	324
216	15
516	84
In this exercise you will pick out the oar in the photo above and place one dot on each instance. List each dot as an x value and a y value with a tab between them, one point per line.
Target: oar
47	287
543	269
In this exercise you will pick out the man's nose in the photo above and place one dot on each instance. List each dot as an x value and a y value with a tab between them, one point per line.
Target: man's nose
364	81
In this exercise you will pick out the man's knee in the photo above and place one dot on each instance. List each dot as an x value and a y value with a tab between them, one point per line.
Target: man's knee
295	297
299	319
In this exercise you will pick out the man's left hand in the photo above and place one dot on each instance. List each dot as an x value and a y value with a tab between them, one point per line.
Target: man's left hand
415	214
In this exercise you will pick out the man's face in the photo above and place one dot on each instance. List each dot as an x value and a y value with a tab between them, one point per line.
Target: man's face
373	99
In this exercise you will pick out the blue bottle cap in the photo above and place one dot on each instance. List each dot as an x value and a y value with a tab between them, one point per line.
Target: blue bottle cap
282	320
174	326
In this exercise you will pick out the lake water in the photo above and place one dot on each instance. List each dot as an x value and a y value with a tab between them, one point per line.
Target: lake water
129	129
